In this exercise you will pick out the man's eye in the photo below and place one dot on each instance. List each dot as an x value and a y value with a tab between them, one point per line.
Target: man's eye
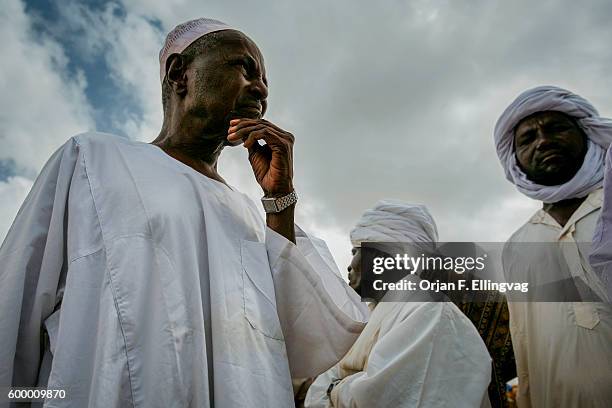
242	65
525	139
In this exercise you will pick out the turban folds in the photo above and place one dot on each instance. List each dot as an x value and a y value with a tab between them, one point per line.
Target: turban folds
396	221
550	98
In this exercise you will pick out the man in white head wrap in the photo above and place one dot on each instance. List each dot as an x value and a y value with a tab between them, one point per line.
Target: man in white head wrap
134	276
551	144
411	354
544	100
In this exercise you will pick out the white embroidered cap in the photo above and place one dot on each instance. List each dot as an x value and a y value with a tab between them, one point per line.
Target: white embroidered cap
185	34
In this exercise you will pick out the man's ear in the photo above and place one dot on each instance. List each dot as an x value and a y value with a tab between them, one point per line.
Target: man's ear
176	67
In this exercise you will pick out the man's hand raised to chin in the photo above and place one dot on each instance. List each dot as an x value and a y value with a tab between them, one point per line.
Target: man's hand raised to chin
272	165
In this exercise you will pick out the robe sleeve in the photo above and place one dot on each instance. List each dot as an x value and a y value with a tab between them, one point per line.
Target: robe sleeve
317	393
421	361
320	315
32	269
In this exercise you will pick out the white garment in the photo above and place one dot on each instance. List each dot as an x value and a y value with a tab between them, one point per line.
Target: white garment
563	351
160	287
550	98
410	354
601	252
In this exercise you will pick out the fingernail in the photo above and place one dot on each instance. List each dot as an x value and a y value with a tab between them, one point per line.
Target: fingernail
234	121
231	129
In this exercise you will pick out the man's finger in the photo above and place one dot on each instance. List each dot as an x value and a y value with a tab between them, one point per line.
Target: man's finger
239	123
286	135
273	126
236	134
272	138
256	148
236	124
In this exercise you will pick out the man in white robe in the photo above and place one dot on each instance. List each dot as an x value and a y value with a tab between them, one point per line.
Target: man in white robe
551	143
411	353
133	276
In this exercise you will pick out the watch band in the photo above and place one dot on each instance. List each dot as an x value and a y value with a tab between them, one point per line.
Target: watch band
275	205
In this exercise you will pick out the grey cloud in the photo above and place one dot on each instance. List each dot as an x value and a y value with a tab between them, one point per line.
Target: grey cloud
381	111
7	169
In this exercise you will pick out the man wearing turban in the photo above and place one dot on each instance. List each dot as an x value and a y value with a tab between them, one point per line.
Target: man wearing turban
134	276
551	144
411	353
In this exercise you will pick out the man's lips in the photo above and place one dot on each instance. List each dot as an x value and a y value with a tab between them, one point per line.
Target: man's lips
553	155
250	106
251	112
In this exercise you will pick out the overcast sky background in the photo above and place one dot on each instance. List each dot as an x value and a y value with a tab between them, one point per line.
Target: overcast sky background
392	99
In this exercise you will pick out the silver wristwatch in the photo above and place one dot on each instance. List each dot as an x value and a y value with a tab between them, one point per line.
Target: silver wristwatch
276	205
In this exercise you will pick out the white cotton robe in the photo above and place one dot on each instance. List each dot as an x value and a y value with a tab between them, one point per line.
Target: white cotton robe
151	285
563	351
410	354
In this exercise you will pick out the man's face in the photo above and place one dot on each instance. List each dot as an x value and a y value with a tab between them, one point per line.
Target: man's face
354	270
228	81
550	147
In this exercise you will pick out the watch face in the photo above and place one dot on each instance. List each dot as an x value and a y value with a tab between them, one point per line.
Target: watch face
269	205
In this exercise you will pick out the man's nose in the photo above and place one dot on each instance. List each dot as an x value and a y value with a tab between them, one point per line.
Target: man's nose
259	89
349	269
543	140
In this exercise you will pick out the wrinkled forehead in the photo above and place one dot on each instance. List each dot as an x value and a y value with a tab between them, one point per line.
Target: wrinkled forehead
542	118
233	42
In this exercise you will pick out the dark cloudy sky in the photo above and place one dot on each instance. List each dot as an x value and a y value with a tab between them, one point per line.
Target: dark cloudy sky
390	99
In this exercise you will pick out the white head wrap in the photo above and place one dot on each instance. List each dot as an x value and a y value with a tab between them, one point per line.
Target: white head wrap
183	35
550	98
396	221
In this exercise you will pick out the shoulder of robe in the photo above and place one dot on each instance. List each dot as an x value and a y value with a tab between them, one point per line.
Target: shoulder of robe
514	247
430	309
522	233
454	313
440	313
97	139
